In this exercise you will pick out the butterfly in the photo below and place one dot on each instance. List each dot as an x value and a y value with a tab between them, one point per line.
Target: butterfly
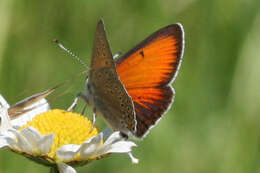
134	92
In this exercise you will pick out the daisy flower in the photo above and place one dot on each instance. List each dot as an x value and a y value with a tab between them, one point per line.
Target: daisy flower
56	138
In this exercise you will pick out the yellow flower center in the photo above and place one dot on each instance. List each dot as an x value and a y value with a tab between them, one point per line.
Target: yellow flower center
69	128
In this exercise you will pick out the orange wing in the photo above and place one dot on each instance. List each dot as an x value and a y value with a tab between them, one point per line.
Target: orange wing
147	71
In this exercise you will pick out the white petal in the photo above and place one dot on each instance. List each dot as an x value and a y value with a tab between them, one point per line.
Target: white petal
116	144
121	147
90	146
32	136
64	168
5	122
67	152
114	137
45	143
22	143
3	102
11	142
134	160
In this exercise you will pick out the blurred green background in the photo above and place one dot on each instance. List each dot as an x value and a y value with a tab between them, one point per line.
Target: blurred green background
214	125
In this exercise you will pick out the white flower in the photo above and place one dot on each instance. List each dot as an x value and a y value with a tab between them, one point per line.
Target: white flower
58	138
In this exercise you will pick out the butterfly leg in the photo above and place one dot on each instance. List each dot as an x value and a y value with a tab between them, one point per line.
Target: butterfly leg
75	102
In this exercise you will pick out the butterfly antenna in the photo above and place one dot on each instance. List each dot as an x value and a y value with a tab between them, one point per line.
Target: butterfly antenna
71	53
